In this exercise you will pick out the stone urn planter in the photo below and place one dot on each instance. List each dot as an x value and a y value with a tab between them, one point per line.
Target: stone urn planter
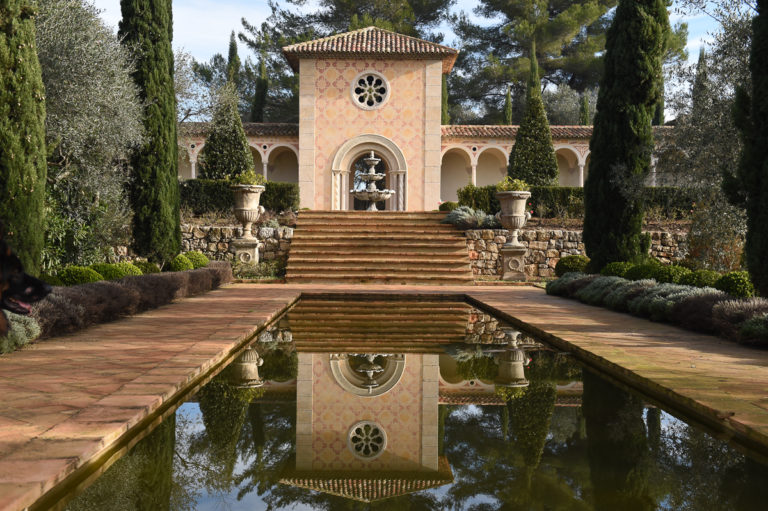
247	211
513	216
244	371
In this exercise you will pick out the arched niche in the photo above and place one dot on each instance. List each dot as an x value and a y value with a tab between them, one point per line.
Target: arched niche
567	166
354	148
347	372
283	165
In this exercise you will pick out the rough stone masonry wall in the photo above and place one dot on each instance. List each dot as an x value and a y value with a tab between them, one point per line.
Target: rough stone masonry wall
214	241
546	247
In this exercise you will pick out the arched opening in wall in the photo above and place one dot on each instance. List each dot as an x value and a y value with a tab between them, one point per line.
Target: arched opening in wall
283	165
567	167
586	166
491	166
455	173
258	167
359	167
185	166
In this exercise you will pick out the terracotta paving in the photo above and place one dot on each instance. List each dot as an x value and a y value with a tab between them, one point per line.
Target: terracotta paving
66	400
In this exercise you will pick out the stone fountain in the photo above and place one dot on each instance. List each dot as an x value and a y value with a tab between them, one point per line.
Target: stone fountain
371	193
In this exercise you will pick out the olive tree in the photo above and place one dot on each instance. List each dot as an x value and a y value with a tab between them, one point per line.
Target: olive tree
93	121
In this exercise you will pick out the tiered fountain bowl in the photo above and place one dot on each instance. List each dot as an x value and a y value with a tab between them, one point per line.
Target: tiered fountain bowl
371	193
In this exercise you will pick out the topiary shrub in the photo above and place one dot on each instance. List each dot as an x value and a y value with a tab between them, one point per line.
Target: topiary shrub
74	275
700	278
146	267
642	271
115	271
180	263
53	280
617	269
670	274
197	258
21	330
570	264
448	206
736	283
754	331
279	197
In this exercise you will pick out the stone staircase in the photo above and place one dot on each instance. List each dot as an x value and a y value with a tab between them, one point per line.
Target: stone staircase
384	322
385	247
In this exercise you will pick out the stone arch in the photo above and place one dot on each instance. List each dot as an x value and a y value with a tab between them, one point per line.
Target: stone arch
568	164
355	147
185	163
455	172
283	164
491	165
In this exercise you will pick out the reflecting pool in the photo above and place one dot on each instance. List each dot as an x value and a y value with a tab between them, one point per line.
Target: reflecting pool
378	403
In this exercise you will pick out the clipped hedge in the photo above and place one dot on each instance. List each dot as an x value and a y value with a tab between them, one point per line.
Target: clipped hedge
114	271
448	206
561	201
147	267
700	278
702	309
203	196
736	283
670	274
617	269
68	309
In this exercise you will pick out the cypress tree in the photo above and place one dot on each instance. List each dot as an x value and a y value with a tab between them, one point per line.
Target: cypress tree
22	134
260	94
445	116
622	140
508	112
752	121
533	156
147	26
233	61
226	153
584	117
700	86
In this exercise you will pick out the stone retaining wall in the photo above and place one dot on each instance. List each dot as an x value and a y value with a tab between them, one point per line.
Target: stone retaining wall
546	247
214	241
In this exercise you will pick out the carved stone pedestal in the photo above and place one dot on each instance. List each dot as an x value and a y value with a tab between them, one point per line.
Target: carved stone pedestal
246	250
513	262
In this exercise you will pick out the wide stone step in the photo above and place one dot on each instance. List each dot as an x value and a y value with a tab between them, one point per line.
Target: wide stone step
365	270
424	230
410	258
382	250
402	244
391	236
302	278
378	215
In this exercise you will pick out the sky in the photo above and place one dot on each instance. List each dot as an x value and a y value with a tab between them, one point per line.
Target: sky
202	27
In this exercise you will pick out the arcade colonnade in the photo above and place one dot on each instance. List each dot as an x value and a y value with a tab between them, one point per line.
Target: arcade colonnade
469	154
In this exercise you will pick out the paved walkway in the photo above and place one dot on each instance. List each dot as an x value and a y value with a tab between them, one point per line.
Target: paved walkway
68	400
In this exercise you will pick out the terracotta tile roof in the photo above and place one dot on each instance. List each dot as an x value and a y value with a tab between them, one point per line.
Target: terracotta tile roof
371	42
257	129
491	131
456	398
371	486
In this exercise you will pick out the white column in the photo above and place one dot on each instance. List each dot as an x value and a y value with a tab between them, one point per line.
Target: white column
581	175
336	199
192	166
345	191
474	174
265	167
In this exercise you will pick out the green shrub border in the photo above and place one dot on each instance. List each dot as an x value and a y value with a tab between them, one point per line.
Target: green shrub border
203	196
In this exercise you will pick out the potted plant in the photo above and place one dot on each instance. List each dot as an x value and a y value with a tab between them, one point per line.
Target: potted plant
513	196
247	189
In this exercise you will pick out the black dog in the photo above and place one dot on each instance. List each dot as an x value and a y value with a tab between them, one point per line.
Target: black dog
17	289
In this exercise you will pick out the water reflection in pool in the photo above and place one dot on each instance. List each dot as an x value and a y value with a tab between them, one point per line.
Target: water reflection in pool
430	405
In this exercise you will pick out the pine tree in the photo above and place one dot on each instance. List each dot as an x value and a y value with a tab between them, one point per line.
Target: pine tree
584	114
22	134
260	94
226	153
752	121
147	26
508	111
533	156
445	116
233	62
622	140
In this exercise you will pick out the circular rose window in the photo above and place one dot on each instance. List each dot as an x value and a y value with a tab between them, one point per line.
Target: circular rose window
370	90
367	440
